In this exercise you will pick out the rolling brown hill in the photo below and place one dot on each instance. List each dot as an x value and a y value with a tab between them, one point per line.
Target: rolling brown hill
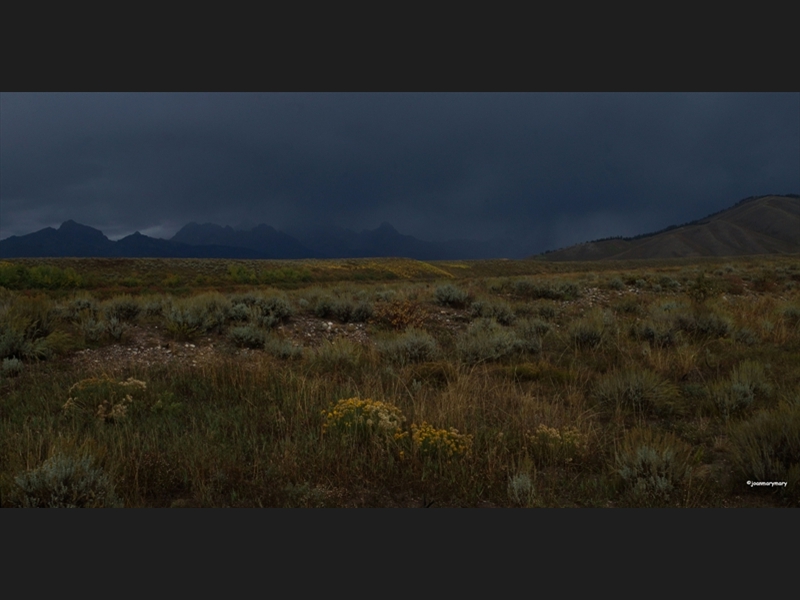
763	225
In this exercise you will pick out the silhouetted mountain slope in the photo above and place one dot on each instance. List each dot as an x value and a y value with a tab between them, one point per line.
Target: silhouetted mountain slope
137	245
263	239
762	225
76	240
71	239
214	241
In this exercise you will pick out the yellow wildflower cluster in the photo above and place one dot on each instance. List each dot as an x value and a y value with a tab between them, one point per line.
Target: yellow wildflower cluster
364	418
558	444
113	411
440	443
105	398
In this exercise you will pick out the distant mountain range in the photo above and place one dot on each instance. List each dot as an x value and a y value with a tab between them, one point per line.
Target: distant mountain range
214	241
756	225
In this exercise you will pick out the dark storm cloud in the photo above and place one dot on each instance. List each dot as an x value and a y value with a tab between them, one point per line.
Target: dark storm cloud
549	169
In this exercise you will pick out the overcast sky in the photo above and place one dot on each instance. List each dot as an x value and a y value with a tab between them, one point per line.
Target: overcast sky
549	169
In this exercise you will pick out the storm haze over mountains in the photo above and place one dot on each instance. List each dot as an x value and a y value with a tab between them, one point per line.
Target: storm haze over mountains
758	225
214	241
519	173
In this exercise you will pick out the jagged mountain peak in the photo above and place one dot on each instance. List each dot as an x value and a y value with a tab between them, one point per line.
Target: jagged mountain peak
72	228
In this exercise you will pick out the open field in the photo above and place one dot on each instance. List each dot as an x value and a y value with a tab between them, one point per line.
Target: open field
394	382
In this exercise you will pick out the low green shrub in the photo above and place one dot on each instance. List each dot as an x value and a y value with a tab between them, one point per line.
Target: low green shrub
247	336
589	331
529	334
450	295
747	384
19	277
652	466
67	482
499	311
526	288
639	390
281	348
198	314
704	324
345	311
115	329
239	312
668	283
11	367
123	308
521	489
616	283
485	340
92	329
25	326
277	307
656	333
153	306
81	307
412	346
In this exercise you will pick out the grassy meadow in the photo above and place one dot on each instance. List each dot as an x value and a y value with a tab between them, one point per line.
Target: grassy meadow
399	383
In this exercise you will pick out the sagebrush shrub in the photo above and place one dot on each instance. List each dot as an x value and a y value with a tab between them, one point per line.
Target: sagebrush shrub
67	482
278	307
521	489
115	328
343	310
748	382
123	308
153	306
656	333
530	327
450	295
485	340
560	291
589	331
198	314
499	311
704	324
11	367
639	390
80	307
652	465
281	348
247	336
92	329
412	346
239	312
